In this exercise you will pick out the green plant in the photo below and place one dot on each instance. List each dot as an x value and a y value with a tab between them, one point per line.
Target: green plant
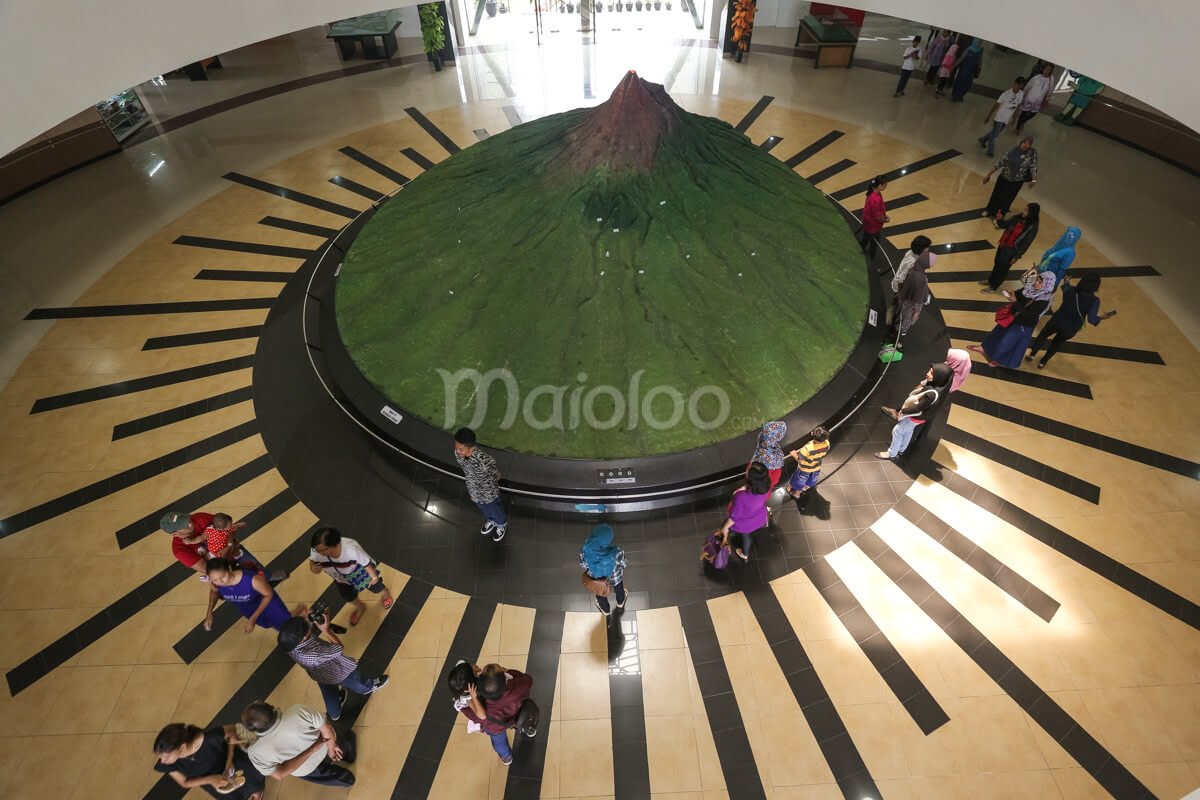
433	31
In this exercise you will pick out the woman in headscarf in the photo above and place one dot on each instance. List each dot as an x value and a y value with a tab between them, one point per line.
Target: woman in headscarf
959	361
1019	232
603	565
1007	343
1080	304
1058	259
917	409
948	62
914	293
1017	166
968	69
769	451
747	511
936	52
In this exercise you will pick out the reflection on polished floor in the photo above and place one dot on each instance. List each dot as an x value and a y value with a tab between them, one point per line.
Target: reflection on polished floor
985	632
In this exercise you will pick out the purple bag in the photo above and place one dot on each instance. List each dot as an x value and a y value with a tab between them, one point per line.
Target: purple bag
715	552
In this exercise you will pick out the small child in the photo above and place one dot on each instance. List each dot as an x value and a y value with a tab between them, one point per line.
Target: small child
808	462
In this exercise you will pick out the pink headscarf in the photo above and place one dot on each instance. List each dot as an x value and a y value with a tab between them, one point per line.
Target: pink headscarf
960	362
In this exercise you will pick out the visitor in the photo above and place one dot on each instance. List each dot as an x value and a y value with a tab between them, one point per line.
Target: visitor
187	538
326	662
1009	339
968	69
769	452
913	294
948	62
1018	165
1001	113
912	412
493	701
1079	303
936	52
603	565
206	759
351	568
959	361
808	462
908	64
747	511
247	590
1058	259
299	741
1019	232
483	482
944	383
1037	95
918	246
874	215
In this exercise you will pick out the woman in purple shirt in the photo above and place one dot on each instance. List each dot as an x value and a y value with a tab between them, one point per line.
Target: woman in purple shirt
747	511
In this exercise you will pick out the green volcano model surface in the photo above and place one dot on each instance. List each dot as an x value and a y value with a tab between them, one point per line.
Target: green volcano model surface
625	266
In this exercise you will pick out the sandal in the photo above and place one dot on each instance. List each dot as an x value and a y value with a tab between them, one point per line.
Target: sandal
355	617
387	603
236	782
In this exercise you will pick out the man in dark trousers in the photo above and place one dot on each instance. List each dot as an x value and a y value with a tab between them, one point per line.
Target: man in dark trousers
493	701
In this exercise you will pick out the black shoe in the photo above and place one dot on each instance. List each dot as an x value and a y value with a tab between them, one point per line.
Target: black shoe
499	532
379	683
343	696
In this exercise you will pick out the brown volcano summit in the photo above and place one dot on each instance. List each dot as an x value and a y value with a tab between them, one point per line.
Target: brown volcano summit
624	131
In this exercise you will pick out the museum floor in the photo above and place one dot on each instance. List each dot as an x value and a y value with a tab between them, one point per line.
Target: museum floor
1015	619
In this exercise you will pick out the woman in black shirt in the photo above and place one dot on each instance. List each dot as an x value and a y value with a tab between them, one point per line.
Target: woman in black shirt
199	758
1079	304
1006	344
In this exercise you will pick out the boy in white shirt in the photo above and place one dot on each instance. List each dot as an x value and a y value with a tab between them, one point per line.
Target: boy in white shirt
911	54
1001	113
1037	94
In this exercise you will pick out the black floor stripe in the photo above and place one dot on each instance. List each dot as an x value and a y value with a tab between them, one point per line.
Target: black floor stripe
481	134
922	225
1081	553
830	171
1056	722
978	559
123	480
436	133
742	780
957	304
291	194
841	754
359	189
298	227
769	143
379	167
973	246
437	723
814	148
963	276
140	384
1029	467
905	201
1075	348
69	645
899	172
225	616
627	710
417	158
1032	379
254	248
203	337
510	113
245	275
135	531
883	655
265	679
139	309
529	755
195	408
753	114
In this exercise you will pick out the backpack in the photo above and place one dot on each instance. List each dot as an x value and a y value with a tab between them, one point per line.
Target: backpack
526	720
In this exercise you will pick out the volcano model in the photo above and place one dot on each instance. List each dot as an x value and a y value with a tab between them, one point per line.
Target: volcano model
628	267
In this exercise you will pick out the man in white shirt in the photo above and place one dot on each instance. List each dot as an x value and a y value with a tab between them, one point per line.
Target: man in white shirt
1006	105
1037	94
298	741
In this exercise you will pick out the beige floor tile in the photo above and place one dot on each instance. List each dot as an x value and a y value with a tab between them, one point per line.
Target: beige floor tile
207	689
53	765
149	691
659	629
820	791
1014	785
672	754
873	727
1131	729
665	686
85	699
414	677
586	758
114	772
434	628
584	632
998	736
469	765
12	751
516	629
584	681
381	753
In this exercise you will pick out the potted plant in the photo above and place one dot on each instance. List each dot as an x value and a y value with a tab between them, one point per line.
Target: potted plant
599	6
490	5
570	8
668	5
629	5
433	33
658	5
504	8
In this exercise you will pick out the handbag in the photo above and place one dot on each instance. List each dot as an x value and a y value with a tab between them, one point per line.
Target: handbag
1005	316
597	586
360	579
715	552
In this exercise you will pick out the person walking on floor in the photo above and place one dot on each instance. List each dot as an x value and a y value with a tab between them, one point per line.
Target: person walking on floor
483	482
189	542
298	741
968	69
1061	255
874	216
913	294
1037	95
1019	232
908	64
747	511
947	65
808	463
1001	114
351	568
1079	304
319	651
207	759
935	52
493	702
1018	165
603	565
1009	339
912	412
247	590
768	450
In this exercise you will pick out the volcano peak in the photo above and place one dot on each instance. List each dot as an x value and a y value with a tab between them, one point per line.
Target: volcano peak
624	131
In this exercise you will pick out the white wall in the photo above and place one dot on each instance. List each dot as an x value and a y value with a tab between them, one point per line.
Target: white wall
60	56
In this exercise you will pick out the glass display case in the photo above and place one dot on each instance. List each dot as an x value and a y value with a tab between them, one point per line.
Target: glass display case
123	114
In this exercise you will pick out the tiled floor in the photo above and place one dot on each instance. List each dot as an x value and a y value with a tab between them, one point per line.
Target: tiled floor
961	630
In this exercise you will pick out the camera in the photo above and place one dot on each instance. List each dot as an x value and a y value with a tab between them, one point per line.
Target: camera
317	612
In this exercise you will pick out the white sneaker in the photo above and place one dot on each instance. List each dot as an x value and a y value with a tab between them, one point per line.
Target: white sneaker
499	533
488	527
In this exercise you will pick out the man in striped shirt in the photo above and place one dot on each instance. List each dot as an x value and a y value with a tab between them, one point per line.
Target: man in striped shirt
808	462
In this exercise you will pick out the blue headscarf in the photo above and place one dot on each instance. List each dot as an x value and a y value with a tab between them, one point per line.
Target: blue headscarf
1059	257
768	451
599	553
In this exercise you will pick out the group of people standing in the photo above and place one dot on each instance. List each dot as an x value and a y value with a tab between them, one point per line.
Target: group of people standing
954	61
